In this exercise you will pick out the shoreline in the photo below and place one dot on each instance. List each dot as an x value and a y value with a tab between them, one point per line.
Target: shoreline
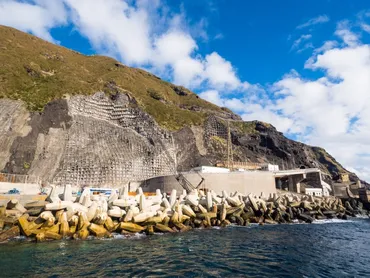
137	236
95	215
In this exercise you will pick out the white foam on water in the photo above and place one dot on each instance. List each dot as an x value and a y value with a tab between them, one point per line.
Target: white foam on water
128	236
361	216
334	220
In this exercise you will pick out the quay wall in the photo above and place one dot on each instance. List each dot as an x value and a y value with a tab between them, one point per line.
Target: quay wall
24	188
254	182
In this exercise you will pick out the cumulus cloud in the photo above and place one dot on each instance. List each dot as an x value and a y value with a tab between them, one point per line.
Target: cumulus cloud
344	32
314	21
140	33
297	43
130	32
114	27
331	110
36	17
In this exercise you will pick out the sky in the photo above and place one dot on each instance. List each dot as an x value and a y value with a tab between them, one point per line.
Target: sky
303	66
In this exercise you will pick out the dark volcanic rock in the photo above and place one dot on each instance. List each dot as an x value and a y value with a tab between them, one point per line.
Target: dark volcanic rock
55	115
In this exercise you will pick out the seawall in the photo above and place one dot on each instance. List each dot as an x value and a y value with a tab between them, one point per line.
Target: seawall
246	182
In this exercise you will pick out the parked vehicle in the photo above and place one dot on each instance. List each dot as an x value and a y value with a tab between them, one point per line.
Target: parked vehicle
14	191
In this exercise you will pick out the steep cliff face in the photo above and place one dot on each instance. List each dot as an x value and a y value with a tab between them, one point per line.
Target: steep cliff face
68	118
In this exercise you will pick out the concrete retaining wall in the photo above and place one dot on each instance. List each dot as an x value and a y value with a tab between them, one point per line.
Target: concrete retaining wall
24	188
246	182
23	199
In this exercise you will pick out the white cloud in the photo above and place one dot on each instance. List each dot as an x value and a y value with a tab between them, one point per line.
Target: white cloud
36	17
298	41
213	96
131	33
220	73
314	21
266	114
140	33
114	27
343	31
365	27
331	111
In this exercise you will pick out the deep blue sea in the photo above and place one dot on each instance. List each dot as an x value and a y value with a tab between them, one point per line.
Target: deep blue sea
325	249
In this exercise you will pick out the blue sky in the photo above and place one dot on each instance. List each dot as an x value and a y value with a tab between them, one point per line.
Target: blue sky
303	66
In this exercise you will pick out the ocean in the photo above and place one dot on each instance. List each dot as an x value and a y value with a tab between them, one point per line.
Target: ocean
333	248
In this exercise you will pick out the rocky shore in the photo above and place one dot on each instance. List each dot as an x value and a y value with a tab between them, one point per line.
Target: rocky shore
93	215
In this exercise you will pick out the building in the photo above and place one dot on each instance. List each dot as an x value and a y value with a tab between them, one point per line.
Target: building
317	192
210	169
245	182
298	180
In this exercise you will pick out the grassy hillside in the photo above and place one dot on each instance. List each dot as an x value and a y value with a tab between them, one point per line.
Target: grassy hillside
37	72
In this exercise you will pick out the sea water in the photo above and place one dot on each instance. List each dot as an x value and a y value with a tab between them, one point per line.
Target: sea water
331	248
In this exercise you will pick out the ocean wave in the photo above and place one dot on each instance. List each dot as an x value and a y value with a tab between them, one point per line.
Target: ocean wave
334	220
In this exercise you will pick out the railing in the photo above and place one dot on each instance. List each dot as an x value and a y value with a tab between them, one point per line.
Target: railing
247	165
14	178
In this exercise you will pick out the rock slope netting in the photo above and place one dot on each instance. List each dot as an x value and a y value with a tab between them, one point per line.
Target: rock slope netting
70	118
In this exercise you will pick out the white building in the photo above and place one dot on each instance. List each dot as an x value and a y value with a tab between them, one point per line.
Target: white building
210	169
317	192
271	167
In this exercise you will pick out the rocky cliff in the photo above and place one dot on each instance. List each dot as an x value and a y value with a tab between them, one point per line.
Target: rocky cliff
70	118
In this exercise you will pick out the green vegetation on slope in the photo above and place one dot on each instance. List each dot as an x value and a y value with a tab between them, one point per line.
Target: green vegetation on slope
38	72
328	161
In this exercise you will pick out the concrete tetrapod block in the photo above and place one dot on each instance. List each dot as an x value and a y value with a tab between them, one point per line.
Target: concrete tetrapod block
58	205
109	224
64	226
143	216
202	209
28	227
166	203
142	202
116	212
97	230
130	227
53	195
209	200
175	217
172	199
129	215
192	200
123	203
187	210
14	204
67	194
113	196
83	222
10	233
163	228
85	199
100	218
92	211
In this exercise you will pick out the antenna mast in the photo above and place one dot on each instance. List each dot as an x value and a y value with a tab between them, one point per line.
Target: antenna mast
229	148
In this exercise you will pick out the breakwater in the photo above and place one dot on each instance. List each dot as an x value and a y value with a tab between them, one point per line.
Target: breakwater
61	217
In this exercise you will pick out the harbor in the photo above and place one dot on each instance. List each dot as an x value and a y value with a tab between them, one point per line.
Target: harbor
63	216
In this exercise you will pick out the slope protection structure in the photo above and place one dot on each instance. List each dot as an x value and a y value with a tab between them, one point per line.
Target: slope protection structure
100	142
